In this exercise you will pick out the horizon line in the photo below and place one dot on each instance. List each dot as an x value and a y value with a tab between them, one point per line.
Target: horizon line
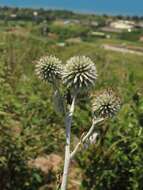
89	12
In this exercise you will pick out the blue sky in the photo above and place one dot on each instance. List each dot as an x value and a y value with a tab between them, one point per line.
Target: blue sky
103	6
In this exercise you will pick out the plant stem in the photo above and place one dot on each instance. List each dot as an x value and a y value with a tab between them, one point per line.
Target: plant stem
84	138
68	123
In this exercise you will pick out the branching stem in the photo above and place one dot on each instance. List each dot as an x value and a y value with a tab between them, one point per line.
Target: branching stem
68	154
84	138
68	122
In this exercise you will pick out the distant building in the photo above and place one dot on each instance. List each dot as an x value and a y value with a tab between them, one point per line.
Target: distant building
13	15
94	23
109	29
100	35
61	22
74	40
35	13
61	44
139	25
123	25
71	21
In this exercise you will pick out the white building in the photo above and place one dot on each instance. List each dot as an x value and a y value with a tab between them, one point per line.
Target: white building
13	15
35	13
123	25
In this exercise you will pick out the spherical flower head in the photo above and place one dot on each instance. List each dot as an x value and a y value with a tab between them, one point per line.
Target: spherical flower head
49	68
79	73
106	104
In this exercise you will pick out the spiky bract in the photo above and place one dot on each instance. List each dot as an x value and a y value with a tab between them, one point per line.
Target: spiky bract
49	68
79	73
106	104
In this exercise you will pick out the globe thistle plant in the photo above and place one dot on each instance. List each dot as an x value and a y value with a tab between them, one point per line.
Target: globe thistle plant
106	104
79	73
49	69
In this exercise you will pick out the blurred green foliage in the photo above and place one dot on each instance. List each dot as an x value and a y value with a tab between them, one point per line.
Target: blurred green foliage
131	36
69	31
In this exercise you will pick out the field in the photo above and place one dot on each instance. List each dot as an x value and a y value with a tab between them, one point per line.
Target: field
30	128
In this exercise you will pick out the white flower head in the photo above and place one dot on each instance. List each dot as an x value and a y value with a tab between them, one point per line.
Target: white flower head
106	104
79	73
49	68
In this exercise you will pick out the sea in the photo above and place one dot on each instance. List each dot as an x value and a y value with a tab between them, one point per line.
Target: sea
111	7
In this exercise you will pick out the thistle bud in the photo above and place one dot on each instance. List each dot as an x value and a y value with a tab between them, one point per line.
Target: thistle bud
79	73
106	104
49	68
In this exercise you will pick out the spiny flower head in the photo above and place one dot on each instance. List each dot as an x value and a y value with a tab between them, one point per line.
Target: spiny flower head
49	68
106	104
79	73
